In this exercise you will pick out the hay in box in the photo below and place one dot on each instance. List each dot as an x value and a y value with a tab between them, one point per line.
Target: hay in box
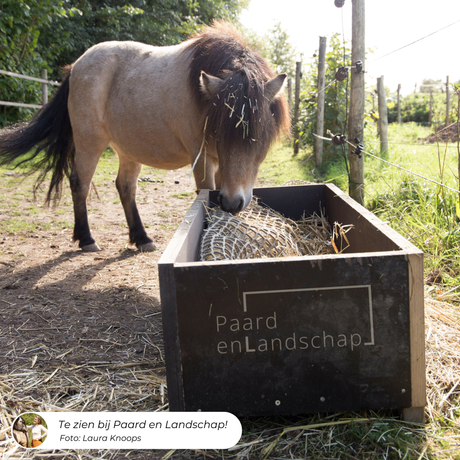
260	232
296	334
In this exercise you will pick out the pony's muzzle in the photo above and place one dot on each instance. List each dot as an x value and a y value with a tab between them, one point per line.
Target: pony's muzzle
233	205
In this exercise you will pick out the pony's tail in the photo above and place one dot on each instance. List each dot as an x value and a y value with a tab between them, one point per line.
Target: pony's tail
44	144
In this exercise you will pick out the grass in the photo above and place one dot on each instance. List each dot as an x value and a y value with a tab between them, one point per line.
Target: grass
423	212
280	166
183	195
18	224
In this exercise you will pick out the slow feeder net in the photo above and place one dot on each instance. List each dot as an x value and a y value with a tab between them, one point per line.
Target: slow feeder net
261	232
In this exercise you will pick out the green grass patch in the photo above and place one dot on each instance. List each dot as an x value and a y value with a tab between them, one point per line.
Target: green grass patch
425	213
16	224
183	195
280	166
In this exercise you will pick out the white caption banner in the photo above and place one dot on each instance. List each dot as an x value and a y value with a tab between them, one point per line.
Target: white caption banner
141	430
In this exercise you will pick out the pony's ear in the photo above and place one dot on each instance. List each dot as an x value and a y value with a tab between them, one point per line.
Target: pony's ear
209	85
274	86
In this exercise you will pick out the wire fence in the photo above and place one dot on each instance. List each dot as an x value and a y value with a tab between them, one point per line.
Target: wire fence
360	147
392	164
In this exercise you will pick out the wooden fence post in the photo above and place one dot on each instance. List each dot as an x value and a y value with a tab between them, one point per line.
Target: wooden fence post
383	117
356	111
458	134
44	75
289	89
298	68
320	101
447	100
431	108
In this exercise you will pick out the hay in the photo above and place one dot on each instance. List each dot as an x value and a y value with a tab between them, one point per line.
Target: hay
125	386
104	386
261	232
442	327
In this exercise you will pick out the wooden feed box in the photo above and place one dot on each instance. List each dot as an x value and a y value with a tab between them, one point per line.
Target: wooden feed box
296	335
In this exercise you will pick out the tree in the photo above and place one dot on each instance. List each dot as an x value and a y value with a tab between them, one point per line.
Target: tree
280	52
336	96
156	22
52	33
431	86
20	22
415	107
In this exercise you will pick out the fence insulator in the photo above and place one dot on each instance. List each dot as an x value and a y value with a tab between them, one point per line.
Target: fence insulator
358	150
339	139
359	66
339	3
341	74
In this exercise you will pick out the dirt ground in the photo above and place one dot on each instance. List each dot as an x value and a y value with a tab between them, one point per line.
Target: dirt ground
82	331
443	134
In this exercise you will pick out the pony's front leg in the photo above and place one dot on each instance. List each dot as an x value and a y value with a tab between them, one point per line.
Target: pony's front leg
126	183
206	173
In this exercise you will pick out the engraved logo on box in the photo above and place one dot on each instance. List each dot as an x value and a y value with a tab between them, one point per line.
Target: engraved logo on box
304	320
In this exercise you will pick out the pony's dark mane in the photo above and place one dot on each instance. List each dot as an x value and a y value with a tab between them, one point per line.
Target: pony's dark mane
238	114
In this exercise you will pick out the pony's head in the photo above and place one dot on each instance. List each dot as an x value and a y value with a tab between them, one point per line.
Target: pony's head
20	425
245	109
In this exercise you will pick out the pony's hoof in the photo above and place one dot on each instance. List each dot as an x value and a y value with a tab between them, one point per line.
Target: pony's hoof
147	247
93	247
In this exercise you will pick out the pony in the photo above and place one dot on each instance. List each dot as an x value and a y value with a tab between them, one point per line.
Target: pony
210	101
20	432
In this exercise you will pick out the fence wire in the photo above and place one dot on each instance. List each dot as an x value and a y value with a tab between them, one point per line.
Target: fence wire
394	165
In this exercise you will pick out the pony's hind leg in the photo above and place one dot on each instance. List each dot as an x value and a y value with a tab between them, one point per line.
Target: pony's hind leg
126	183
80	183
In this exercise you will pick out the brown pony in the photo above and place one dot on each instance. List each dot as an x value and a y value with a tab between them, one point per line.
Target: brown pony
210	101
20	432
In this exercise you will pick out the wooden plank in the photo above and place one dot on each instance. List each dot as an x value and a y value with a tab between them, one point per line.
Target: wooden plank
183	245
26	77
370	234
320	101
417	329
298	71
413	414
20	104
194	222
171	336
316	303
383	117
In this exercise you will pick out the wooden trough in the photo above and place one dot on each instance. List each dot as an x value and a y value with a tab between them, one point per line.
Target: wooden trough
295	335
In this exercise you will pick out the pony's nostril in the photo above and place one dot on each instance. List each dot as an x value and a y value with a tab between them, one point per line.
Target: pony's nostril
239	207
233	206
